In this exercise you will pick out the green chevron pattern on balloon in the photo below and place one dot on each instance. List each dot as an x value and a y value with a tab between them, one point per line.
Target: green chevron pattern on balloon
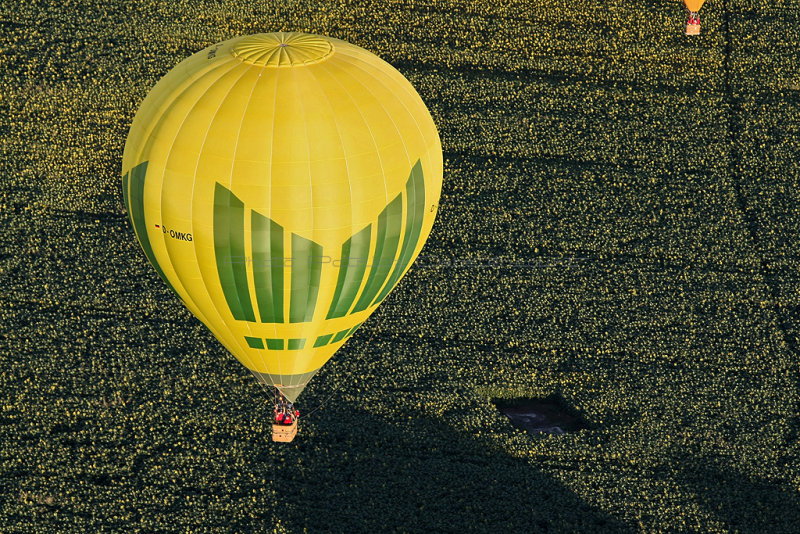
393	250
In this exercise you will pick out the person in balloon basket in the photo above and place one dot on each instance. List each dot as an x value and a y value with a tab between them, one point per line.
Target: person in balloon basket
282	416
286	415
694	19
290	414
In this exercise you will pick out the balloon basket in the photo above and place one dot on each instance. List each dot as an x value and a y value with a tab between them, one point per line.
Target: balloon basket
284	433
692	29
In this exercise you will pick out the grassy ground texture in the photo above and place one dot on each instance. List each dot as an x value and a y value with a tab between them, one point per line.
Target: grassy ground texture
618	225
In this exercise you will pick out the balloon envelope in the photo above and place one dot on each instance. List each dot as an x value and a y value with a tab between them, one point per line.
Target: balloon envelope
282	184
694	5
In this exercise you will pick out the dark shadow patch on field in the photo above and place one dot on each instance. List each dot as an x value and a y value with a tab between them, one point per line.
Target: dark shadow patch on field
741	503
550	415
418	476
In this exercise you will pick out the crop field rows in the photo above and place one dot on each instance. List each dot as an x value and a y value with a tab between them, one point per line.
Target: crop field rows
618	224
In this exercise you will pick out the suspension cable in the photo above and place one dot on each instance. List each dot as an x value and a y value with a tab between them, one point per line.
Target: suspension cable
357	360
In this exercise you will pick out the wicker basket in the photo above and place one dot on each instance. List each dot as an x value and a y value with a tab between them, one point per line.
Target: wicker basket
692	29
284	433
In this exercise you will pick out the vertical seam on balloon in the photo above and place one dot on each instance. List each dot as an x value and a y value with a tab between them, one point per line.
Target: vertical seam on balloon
407	213
191	200
414	95
362	281
202	316
159	120
374	142
306	329
369	129
248	212
414	187
269	215
166	106
399	135
348	273
230	185
245	353
376	280
344	156
247	215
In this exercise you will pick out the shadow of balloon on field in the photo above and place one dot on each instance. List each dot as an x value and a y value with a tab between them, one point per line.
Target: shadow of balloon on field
741	503
379	477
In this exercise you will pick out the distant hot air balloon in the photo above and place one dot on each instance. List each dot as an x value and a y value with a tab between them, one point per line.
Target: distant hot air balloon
693	23
281	185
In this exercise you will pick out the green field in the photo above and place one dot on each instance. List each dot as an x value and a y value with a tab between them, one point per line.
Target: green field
618	225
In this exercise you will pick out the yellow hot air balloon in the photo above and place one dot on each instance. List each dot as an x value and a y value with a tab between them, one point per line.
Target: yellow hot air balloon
282	184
